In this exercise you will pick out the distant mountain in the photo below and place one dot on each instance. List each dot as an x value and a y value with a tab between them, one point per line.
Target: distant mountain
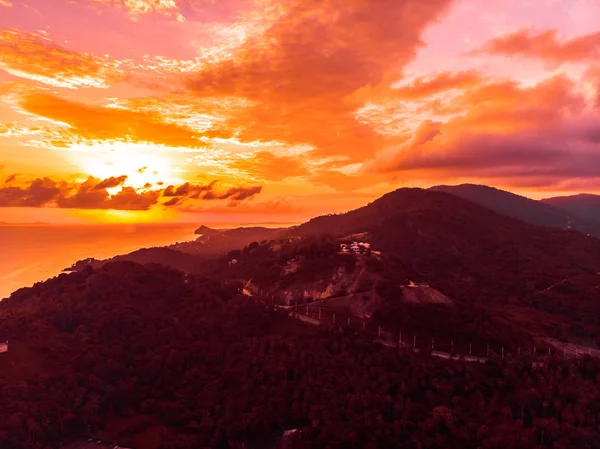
584	205
541	213
190	256
220	241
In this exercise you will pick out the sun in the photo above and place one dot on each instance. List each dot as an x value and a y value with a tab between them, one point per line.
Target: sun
145	166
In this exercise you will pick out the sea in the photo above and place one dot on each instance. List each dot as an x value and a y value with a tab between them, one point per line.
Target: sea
33	253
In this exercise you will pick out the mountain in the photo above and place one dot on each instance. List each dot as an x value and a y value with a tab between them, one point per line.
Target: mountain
506	280
541	213
541	280
584	205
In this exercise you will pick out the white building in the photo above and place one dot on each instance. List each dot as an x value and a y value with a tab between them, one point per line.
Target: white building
355	247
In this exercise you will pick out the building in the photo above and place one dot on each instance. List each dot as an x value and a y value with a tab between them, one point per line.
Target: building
4	347
355	247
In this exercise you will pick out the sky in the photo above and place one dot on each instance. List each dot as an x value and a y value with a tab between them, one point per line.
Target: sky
280	110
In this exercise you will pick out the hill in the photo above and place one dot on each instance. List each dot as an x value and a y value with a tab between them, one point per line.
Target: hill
540	213
219	241
155	359
191	256
484	261
584	205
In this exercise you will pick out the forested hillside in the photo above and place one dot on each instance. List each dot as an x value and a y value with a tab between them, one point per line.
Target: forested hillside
153	358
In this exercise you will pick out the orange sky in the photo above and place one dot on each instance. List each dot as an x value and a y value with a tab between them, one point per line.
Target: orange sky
264	110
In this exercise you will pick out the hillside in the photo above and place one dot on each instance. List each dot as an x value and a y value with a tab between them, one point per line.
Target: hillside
482	259
219	241
165	256
584	205
154	359
540	213
191	256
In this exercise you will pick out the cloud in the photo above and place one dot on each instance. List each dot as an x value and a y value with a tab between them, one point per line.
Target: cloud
44	192
542	133
268	166
242	193
111	182
93	122
188	190
40	192
592	76
35	57
137	8
5	3
92	194
302	71
188	193
545	46
11	178
421	86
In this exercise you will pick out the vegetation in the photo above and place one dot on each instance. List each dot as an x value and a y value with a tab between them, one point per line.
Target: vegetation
153	348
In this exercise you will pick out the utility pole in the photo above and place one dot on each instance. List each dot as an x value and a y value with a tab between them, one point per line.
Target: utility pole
451	346
414	340
333	317
379	331
488	350
432	343
470	351
502	351
400	339
348	321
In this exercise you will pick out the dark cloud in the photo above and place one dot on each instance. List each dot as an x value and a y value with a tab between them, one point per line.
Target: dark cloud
190	191
37	194
45	192
111	182
173	202
242	193
11	178
531	134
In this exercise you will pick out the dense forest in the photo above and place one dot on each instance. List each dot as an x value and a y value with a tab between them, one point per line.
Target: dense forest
154	358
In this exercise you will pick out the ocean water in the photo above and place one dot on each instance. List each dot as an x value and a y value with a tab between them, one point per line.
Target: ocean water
32	253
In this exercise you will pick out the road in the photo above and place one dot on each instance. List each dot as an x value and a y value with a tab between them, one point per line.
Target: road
389	344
